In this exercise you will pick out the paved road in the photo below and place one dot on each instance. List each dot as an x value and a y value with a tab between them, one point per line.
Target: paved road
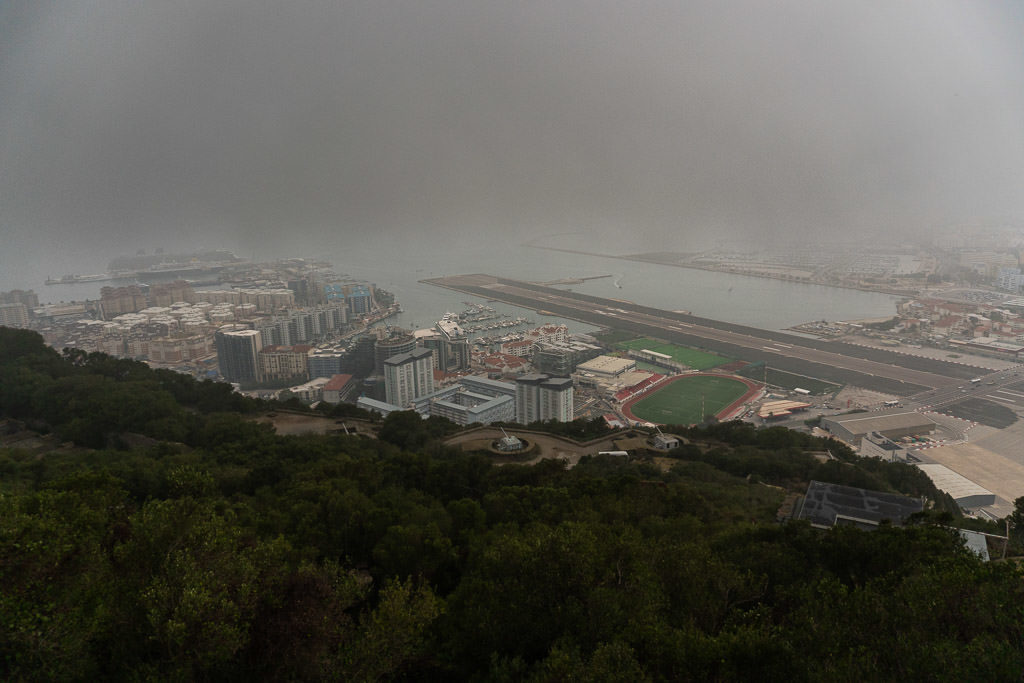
993	399
1002	386
876	369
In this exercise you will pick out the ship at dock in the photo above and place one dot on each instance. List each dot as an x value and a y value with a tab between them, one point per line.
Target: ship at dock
159	266
78	279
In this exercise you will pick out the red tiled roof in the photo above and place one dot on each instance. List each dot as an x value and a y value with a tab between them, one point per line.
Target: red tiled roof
337	382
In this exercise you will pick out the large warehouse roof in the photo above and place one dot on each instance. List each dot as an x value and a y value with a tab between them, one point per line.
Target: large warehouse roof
881	421
607	365
964	491
780	408
826	505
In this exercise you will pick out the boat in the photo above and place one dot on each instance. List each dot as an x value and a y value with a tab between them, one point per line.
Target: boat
76	279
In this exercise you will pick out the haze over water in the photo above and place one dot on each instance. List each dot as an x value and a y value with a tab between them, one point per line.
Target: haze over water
316	126
759	302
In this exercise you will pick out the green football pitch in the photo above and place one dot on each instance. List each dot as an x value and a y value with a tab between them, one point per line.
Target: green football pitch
698	360
680	401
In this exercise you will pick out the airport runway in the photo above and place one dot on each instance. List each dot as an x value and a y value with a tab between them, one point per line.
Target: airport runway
871	368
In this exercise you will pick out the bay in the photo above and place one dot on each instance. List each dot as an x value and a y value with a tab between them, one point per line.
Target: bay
758	302
400	267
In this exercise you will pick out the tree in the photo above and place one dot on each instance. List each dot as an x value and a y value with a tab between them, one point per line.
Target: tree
1017	521
394	634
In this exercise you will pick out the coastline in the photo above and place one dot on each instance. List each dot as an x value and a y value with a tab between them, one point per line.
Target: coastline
640	258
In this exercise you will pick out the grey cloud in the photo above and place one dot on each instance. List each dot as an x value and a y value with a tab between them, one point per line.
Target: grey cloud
234	121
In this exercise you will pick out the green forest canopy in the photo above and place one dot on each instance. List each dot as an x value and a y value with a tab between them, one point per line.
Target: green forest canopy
221	550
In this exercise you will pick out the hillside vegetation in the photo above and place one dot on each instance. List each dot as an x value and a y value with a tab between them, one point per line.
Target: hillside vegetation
178	539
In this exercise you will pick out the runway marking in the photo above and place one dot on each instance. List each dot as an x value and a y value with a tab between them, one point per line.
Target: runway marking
1011	393
785	346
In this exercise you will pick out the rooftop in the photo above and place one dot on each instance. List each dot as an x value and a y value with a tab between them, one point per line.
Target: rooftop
607	365
880	421
952	483
827	505
413	355
337	382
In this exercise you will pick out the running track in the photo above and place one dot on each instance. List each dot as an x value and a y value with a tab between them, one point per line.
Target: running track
753	389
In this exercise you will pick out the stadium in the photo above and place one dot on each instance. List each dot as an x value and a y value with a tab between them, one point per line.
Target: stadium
686	399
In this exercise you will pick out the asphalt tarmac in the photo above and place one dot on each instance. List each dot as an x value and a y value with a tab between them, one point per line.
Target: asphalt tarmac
876	369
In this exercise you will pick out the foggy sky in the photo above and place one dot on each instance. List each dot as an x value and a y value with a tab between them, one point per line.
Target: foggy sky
232	122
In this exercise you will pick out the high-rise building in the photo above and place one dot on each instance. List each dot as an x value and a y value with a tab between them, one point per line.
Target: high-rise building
302	324
325	362
179	347
561	358
528	398
540	397
408	376
359	360
396	342
13	315
237	349
307	290
168	293
117	300
357	297
20	296
453	353
556	395
284	362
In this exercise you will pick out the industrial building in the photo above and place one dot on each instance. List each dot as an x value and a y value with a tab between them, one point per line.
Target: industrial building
975	542
826	505
893	424
661	359
989	346
875	445
965	492
774	410
606	366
